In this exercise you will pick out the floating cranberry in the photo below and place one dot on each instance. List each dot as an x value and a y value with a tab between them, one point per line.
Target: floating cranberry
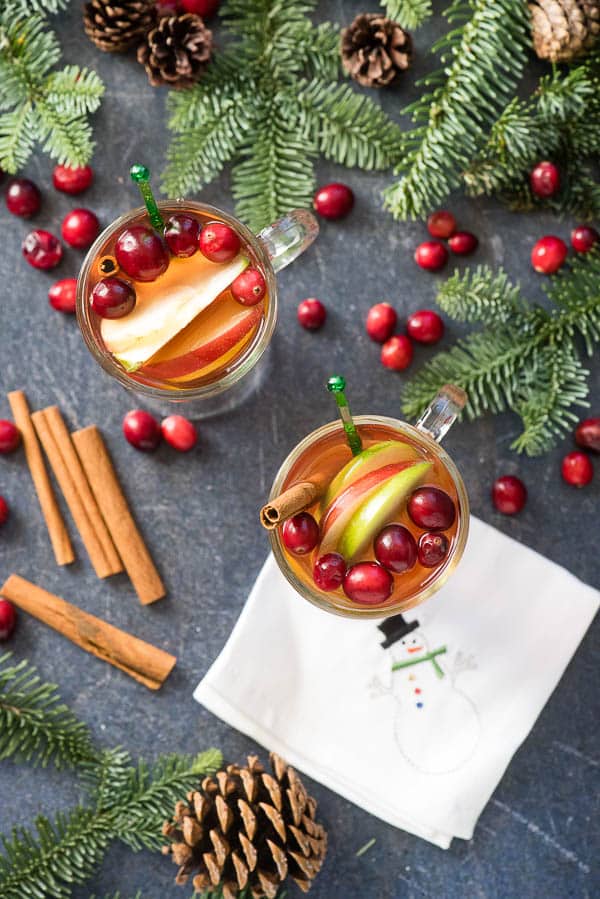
583	238
587	434
10	437
463	243
249	288
42	249
545	179
141	430
548	254
72	180
300	534
22	197
441	224
509	494
381	321
395	548
219	242
425	326
432	549
312	314
141	253
203	8
112	298
397	352
179	432
368	583
333	201
4	511
8	619
431	508
577	469
80	228
181	234
329	571
63	294
431	255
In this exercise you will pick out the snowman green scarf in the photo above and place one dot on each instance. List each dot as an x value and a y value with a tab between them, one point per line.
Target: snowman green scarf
428	657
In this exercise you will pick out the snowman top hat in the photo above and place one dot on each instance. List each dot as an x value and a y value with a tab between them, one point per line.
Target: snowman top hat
395	628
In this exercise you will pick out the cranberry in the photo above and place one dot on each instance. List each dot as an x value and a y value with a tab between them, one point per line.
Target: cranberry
141	430
587	434
397	352
395	548
42	249
10	437
4	511
433	549
431	255
577	469
22	197
8	618
509	494
381	321
141	253
548	254
181	234
204	8
112	298
333	201
219	242
312	314
72	180
431	508
80	228
300	534
329	571
545	179
441	224
425	326
463	243
368	583
583	238
249	288
62	295
179	432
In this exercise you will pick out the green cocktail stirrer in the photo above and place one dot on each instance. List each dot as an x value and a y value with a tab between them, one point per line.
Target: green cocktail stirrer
140	175
336	385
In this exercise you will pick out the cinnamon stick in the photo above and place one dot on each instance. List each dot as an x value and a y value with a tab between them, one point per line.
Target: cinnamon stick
293	500
146	663
105	485
57	531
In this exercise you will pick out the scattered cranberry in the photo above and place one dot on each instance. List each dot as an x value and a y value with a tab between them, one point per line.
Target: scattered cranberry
431	508
395	548
587	434
4	511
329	571
577	469
441	224
249	287
42	249
431	255
62	295
397	352
300	534
368	583
141	430
179	432
381	321
433	549
545	179
181	234
219	242
463	243
22	197
112	298
72	180
312	314
509	494
8	618
333	201
10	437
80	228
141	253
548	254
583	238
425	326
204	8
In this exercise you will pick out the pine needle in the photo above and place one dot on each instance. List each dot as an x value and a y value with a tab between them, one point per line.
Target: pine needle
408	13
364	849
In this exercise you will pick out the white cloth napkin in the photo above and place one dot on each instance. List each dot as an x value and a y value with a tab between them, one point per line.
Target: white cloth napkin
422	747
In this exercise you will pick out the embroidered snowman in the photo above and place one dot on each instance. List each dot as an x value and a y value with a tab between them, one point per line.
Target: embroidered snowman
436	725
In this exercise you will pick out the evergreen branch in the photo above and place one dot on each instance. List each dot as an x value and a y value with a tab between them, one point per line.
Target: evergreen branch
17	137
322	51
74	91
408	13
482	296
65	138
37	7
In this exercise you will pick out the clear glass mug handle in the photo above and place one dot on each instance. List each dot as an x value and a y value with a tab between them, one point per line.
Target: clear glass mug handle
289	236
442	412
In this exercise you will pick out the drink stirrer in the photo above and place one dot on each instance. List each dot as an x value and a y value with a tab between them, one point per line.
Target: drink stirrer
140	175
337	385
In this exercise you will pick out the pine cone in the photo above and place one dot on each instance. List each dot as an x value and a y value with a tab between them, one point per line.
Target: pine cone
562	30
115	25
375	50
247	829
177	51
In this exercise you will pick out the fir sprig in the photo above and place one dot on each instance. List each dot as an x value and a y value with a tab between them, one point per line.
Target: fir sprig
408	13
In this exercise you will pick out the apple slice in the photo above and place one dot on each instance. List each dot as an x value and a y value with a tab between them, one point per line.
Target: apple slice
166	306
378	508
375	456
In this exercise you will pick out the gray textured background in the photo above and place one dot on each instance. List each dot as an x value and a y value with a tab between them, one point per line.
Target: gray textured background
539	834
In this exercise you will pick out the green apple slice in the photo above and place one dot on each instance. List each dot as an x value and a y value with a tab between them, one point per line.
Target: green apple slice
167	306
378	509
388	452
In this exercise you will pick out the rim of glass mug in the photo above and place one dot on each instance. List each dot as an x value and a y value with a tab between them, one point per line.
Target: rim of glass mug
342	606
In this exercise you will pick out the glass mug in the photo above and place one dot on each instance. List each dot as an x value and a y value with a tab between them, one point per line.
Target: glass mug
324	452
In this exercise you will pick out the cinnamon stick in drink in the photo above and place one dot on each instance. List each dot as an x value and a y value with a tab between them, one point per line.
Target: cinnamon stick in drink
293	500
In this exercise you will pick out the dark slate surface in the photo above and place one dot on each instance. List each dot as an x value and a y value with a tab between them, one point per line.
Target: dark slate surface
539	833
